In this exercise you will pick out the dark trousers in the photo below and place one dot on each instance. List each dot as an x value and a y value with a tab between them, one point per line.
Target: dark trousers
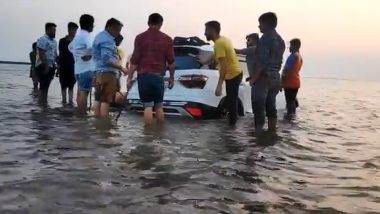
232	98
264	93
291	100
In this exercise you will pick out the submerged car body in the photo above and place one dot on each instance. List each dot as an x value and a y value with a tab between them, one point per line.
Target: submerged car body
193	94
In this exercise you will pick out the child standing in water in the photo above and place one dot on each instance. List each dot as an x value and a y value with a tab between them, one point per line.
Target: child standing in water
290	76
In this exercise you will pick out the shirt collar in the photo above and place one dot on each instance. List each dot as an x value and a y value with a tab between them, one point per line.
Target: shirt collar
270	31
152	29
48	37
108	34
84	31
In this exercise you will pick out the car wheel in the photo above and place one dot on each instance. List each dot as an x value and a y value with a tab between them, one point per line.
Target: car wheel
222	108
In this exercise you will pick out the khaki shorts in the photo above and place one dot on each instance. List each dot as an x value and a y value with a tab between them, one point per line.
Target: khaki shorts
105	87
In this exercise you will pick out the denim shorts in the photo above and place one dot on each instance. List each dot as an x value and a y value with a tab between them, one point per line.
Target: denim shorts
151	89
84	80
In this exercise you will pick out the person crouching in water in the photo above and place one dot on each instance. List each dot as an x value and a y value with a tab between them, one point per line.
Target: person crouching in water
291	77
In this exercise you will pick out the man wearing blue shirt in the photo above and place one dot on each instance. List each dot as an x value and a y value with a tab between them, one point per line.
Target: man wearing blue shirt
107	65
46	60
265	80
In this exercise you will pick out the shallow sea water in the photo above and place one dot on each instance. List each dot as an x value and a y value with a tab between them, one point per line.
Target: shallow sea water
325	161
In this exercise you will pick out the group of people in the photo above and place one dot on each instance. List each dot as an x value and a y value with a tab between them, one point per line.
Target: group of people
264	58
83	60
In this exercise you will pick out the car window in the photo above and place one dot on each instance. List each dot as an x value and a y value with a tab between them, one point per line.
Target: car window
185	58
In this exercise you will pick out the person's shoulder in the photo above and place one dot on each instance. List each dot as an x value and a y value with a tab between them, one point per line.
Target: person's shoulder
64	39
298	55
41	38
142	35
166	36
224	40
99	36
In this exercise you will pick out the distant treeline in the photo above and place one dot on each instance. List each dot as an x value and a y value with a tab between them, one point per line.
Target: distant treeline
14	63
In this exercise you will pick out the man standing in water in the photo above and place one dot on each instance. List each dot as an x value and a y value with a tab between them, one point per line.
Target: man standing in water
266	78
32	58
249	52
66	64
291	78
81	48
46	60
153	54
229	69
107	66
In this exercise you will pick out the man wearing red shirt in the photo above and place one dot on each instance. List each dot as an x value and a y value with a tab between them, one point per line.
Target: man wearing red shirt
153	54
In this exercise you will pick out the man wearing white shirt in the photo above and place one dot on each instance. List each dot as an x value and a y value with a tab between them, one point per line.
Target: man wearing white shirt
81	47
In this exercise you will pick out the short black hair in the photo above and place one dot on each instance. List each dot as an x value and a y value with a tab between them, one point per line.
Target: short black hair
113	22
155	19
270	19
86	21
49	25
215	25
296	43
254	36
34	45
72	25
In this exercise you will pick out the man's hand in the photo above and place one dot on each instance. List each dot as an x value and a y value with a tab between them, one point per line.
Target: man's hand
124	71
129	83
86	58
171	82
252	81
58	71
218	90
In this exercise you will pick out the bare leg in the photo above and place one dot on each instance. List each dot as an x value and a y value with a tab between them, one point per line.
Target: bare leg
97	108
42	97
63	92
35	85
82	101
148	116
71	95
160	115
104	109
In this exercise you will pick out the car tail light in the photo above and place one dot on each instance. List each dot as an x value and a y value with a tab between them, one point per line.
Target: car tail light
194	111
193	81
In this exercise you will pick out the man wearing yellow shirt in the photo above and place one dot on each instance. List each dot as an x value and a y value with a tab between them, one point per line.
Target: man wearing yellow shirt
229	69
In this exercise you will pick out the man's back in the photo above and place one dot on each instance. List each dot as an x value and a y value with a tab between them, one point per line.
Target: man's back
224	49
65	56
104	50
153	51
269	52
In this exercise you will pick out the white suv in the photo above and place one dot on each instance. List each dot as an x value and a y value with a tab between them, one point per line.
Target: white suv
193	94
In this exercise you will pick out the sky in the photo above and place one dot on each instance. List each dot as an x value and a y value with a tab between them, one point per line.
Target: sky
340	38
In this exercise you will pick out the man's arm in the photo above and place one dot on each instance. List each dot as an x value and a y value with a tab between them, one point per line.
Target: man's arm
43	57
135	59
170	59
244	51
290	62
108	56
262	57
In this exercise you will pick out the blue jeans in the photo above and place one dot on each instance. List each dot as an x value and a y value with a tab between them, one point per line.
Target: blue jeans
84	80
264	93
151	89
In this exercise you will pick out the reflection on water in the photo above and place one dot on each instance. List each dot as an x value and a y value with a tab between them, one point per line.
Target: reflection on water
325	161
